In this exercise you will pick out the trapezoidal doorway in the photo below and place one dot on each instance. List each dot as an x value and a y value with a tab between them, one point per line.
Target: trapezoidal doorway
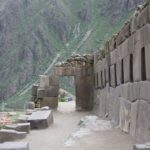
66	97
81	68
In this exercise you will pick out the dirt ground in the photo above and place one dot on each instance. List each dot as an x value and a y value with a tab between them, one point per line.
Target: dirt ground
66	121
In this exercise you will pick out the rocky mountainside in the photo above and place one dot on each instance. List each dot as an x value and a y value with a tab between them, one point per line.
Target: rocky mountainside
33	32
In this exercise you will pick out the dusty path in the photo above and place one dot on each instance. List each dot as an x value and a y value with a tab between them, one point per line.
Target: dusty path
66	123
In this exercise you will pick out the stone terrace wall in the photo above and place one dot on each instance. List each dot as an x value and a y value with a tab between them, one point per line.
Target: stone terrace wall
122	77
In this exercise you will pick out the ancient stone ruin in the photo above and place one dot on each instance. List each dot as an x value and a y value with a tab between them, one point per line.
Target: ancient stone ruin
115	82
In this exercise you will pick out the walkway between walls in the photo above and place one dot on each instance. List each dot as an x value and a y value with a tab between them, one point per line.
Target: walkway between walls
66	134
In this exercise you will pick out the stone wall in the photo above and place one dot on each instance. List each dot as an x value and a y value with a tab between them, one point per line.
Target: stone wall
122	77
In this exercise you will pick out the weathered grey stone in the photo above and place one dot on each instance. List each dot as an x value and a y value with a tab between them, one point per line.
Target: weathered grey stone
133	24
118	68
142	18
123	34
112	75
125	110
114	106
44	81
142	132
126	69
29	105
54	80
22	127
113	56
141	146
34	90
145	90
134	117
10	135
112	43
14	146
51	102
102	104
51	91
147	60
131	43
124	49
137	65
40	93
22	119
145	35
41	119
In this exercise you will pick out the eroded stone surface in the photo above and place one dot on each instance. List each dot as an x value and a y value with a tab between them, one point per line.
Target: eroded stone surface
10	135
41	119
14	146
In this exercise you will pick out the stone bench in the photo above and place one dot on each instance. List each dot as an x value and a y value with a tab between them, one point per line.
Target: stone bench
10	135
14	146
40	119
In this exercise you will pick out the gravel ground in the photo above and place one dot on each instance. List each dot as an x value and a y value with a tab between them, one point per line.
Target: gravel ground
65	124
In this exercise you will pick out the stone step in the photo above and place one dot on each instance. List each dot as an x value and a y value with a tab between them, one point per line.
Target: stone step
14	146
22	127
10	135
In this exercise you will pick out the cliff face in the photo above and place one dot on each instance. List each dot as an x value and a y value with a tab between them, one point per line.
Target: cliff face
32	32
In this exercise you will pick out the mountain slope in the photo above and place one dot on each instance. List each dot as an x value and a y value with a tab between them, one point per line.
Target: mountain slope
33	32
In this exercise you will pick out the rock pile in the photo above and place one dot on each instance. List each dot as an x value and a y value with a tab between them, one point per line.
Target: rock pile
77	60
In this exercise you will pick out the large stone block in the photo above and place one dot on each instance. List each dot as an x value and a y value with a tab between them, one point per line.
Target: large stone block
131	44
137	65
14	146
125	110
10	135
145	90
134	117
114	106
29	105
133	91
147	60
102	104
54	80
123	50
126	69
112	76
133	24
112	43
142	18
34	90
123	34
44	81
142	132
52	102
40	93
118	68
22	127
41	119
51	91
141	146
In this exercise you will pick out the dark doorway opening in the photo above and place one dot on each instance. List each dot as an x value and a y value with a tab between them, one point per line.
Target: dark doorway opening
143	64
131	67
